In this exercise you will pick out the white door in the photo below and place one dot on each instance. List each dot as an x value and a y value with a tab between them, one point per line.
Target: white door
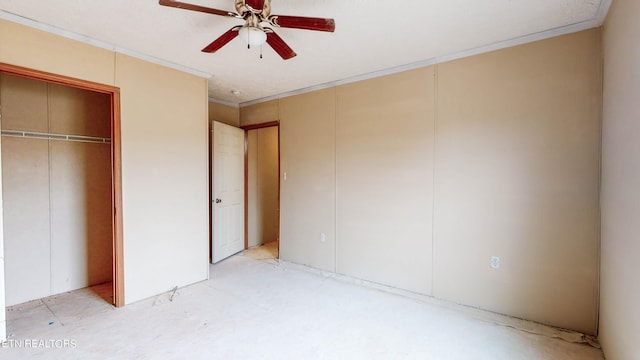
228	190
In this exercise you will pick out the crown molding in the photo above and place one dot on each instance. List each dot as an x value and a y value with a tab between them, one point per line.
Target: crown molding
98	43
224	102
598	20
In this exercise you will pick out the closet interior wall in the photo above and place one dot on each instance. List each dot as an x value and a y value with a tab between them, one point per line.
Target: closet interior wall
263	220
56	173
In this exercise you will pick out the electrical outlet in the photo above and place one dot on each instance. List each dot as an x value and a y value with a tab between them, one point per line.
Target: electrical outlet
495	262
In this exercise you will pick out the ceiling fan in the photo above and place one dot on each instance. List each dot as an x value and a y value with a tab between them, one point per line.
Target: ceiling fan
254	13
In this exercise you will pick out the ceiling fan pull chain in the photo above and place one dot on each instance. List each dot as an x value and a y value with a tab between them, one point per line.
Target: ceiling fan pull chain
260	51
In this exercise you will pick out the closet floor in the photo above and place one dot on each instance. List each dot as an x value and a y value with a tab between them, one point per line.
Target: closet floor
263	252
266	309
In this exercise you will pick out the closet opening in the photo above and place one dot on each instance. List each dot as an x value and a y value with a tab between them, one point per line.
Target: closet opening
61	186
262	190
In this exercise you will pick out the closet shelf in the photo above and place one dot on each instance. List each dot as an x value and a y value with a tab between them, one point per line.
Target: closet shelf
51	136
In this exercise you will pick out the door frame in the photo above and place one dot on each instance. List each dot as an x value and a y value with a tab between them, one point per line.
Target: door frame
116	159
246	129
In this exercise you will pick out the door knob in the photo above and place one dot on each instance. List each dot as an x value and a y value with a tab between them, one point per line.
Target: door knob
218	201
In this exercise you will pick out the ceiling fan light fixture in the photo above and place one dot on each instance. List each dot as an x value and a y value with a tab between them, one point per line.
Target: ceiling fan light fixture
254	36
254	13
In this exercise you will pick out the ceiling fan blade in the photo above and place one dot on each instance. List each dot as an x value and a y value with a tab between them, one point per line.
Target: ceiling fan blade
222	40
255	4
300	22
280	46
181	5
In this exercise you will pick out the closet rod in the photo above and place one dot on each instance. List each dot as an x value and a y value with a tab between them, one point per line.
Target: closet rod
50	136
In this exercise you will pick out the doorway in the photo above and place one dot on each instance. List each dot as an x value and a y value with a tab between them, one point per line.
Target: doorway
69	154
263	191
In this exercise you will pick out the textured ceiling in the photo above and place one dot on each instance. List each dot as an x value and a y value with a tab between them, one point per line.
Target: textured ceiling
371	36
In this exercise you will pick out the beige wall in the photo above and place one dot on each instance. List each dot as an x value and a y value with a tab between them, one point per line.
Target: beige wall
36	49
501	151
262	174
308	193
81	233
164	177
517	154
3	314
164	154
223	113
33	97
620	264
384	165
260	113
27	243
57	193
252	190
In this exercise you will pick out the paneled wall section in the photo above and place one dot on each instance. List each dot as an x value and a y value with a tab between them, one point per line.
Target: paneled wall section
619	315
417	179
